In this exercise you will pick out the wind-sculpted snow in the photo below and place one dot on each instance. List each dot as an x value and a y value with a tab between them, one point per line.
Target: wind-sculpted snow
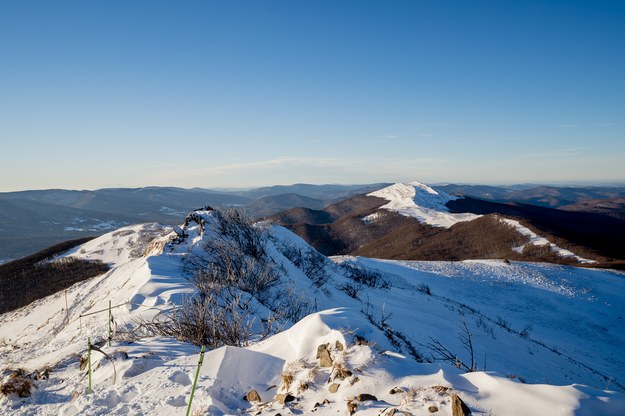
550	338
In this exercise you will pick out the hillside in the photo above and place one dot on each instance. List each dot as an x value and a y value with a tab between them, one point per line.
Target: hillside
416	222
613	207
540	195
394	330
589	234
33	277
34	220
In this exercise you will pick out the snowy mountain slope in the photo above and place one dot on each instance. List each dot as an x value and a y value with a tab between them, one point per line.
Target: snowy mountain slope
427	205
535	239
575	334
419	201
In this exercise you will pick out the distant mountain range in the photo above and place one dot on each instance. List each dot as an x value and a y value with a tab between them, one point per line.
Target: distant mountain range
545	196
33	220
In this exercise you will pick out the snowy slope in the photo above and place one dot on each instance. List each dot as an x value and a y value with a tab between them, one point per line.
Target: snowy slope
427	205
537	240
419	201
559	329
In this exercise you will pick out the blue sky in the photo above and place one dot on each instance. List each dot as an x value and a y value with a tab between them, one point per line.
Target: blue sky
250	93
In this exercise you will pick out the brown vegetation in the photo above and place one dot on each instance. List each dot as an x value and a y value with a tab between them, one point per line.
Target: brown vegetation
340	229
587	234
34	277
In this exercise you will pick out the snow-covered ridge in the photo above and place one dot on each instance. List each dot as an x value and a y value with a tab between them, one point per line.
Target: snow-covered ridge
419	201
561	326
537	240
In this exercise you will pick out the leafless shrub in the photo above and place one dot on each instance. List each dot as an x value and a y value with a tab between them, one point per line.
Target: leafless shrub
365	276
423	288
352	289
398	339
216	319
237	227
292	306
525	332
443	353
310	261
503	323
466	338
18	383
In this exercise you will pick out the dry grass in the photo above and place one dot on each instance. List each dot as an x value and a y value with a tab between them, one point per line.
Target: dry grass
287	379
199	411
18	383
340	372
441	390
303	386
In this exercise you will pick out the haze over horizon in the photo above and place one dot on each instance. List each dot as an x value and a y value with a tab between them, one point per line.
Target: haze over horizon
247	94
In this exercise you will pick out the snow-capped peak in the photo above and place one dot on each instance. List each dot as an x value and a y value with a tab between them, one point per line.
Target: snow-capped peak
423	186
417	200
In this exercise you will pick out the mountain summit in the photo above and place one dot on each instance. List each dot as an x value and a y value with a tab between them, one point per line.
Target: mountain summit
417	200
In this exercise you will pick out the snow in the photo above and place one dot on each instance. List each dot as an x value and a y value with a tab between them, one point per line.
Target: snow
559	329
427	205
419	201
537	240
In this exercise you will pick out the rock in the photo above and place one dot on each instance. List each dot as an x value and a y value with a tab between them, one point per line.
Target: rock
252	396
326	401
363	397
322	347
396	390
339	346
432	409
354	380
324	359
458	407
284	398
333	387
390	412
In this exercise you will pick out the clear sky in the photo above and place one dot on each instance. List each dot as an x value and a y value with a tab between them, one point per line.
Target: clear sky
248	93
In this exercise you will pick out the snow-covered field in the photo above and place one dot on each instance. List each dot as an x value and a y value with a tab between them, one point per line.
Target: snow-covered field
546	339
